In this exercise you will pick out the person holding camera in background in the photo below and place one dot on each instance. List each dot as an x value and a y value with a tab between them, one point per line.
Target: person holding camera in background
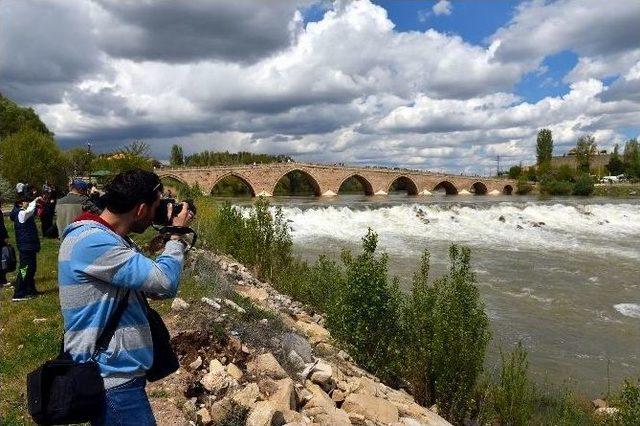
98	267
27	243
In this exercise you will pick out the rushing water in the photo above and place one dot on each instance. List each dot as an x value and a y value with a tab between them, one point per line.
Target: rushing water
560	275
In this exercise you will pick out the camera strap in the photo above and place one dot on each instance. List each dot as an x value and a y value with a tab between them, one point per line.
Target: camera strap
179	230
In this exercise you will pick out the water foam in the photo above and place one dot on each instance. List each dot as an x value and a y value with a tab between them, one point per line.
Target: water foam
628	309
600	229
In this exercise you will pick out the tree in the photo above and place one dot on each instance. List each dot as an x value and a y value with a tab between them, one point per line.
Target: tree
460	336
616	165
565	173
544	148
583	186
585	149
30	156
515	172
133	156
365	317
631	158
177	157
77	161
7	191
523	186
13	118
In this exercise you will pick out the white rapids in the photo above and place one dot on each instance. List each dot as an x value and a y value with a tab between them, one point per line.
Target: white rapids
591	228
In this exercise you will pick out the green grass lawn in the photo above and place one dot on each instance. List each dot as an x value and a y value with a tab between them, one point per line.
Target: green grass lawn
24	344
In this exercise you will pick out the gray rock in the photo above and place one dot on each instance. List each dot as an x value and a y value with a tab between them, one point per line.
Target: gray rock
296	361
298	344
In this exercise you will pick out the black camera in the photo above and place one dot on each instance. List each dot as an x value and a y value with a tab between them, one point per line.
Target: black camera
162	212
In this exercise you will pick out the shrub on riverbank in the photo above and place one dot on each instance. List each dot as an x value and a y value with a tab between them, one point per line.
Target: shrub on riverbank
512	396
365	318
523	186
556	187
583	186
460	336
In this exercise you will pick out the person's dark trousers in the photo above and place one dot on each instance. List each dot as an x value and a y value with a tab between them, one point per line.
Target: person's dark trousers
25	282
46	222
3	278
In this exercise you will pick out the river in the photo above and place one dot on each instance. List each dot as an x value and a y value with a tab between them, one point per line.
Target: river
560	275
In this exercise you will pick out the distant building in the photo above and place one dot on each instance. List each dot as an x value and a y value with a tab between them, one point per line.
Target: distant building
597	166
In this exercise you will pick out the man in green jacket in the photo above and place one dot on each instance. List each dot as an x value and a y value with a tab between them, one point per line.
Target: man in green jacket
71	205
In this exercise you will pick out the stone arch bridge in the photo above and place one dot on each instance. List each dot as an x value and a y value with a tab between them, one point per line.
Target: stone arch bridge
262	179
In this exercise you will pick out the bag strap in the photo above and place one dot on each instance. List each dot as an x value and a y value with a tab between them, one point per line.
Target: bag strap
102	342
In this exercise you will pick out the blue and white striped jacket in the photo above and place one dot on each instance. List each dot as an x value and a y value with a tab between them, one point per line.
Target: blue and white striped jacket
95	267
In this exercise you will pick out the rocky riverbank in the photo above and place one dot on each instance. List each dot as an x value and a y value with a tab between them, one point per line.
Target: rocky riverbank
250	355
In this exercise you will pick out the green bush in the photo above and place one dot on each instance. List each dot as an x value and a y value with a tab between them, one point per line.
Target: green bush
556	187
553	406
584	185
628	402
460	336
565	173
523	186
515	172
261	240
512	397
365	319
417	323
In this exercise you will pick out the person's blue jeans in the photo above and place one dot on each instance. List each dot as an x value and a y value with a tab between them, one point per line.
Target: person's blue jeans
127	404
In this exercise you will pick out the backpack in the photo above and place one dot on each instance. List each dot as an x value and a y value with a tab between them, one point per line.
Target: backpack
8	260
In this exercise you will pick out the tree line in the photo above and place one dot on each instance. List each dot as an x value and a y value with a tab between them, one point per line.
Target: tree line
215	158
578	180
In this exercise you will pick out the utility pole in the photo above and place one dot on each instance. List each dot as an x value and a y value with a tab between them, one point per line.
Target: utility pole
498	165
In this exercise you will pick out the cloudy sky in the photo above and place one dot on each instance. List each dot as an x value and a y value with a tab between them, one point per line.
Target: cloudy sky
436	85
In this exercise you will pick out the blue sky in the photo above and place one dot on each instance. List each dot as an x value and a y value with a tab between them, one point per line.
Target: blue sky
441	85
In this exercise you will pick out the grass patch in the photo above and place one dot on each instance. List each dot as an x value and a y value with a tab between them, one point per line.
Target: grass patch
623	190
24	345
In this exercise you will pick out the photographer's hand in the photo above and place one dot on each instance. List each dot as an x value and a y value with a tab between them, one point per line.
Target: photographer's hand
184	218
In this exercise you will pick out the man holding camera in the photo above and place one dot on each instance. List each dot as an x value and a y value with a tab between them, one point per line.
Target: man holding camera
98	265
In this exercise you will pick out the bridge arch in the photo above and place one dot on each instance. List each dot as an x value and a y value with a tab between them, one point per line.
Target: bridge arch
308	176
507	190
479	188
406	182
173	177
238	176
366	185
447	186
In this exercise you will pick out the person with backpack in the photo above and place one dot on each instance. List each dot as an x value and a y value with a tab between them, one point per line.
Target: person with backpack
28	245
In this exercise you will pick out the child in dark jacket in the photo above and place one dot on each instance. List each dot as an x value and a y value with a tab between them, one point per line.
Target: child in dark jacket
28	245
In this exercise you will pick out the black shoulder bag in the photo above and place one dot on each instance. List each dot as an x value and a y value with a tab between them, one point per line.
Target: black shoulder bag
8	259
62	391
165	360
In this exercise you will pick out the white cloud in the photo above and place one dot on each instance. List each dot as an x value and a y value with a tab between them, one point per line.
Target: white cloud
443	7
347	88
598	33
